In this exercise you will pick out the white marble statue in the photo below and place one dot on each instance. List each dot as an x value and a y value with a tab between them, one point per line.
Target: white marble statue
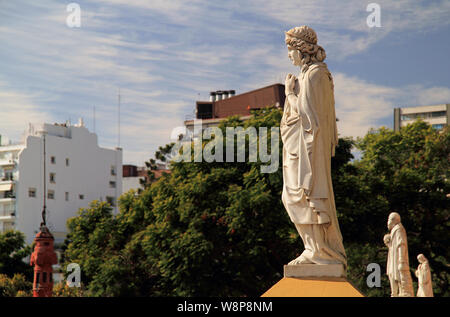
423	274
309	134
397	267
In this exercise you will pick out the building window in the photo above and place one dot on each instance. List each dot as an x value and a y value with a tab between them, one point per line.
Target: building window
53	160
67	162
81	196
110	200
112	184
31	192
52	177
51	194
438	126
113	170
67	196
438	114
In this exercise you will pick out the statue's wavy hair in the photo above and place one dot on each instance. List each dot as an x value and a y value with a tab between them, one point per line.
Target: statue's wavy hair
304	40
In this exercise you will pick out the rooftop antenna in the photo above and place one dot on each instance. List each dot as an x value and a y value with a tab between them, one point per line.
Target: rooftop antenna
118	121
93	119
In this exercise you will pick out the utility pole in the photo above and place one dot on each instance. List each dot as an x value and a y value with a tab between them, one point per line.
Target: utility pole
43	256
44	208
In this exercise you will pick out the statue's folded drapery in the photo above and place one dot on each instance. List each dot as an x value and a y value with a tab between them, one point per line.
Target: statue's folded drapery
425	287
309	134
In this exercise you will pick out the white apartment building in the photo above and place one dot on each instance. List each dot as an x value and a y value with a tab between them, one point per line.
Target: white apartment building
436	115
78	171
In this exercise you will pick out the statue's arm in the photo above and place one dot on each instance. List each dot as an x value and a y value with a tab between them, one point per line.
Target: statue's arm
292	99
402	255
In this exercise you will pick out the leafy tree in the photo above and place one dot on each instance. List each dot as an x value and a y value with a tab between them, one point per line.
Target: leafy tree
90	234
410	170
204	224
98	242
220	229
12	252
61	289
162	157
17	285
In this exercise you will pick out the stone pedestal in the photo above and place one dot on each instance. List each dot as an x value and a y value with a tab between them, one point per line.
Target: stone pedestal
312	287
314	270
313	280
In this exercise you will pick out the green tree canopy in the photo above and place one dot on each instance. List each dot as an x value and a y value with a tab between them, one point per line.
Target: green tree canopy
12	250
220	229
410	171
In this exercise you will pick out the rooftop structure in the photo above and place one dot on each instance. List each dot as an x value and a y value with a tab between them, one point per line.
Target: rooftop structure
437	115
223	104
78	171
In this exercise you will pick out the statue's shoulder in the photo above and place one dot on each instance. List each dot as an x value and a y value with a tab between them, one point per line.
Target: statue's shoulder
318	74
317	70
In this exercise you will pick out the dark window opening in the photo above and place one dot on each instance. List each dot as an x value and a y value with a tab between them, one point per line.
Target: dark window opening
44	277
204	111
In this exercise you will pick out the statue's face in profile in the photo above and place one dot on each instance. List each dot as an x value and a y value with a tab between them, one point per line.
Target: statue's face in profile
392	221
294	56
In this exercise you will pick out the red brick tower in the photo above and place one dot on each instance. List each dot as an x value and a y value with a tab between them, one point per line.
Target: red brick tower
43	257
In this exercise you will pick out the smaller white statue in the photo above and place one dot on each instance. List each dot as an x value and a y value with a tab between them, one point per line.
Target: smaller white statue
424	275
398	262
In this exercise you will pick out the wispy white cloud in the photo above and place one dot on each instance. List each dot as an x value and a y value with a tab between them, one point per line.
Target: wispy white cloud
18	109
428	96
342	25
166	54
361	105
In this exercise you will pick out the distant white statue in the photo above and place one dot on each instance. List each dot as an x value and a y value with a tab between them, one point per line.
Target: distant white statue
309	134
398	262
423	274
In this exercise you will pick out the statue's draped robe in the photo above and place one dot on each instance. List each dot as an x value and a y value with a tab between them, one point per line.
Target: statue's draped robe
423	274
398	253
309	134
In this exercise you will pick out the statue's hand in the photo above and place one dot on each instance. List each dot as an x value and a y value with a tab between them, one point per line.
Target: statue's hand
289	84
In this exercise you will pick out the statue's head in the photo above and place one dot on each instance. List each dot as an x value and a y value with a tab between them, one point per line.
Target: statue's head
421	258
302	46
394	218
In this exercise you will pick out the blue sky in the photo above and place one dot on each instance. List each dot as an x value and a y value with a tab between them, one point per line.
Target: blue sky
166	54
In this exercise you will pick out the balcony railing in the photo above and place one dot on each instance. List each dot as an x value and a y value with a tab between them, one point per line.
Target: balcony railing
6	178
7	212
4	162
7	195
